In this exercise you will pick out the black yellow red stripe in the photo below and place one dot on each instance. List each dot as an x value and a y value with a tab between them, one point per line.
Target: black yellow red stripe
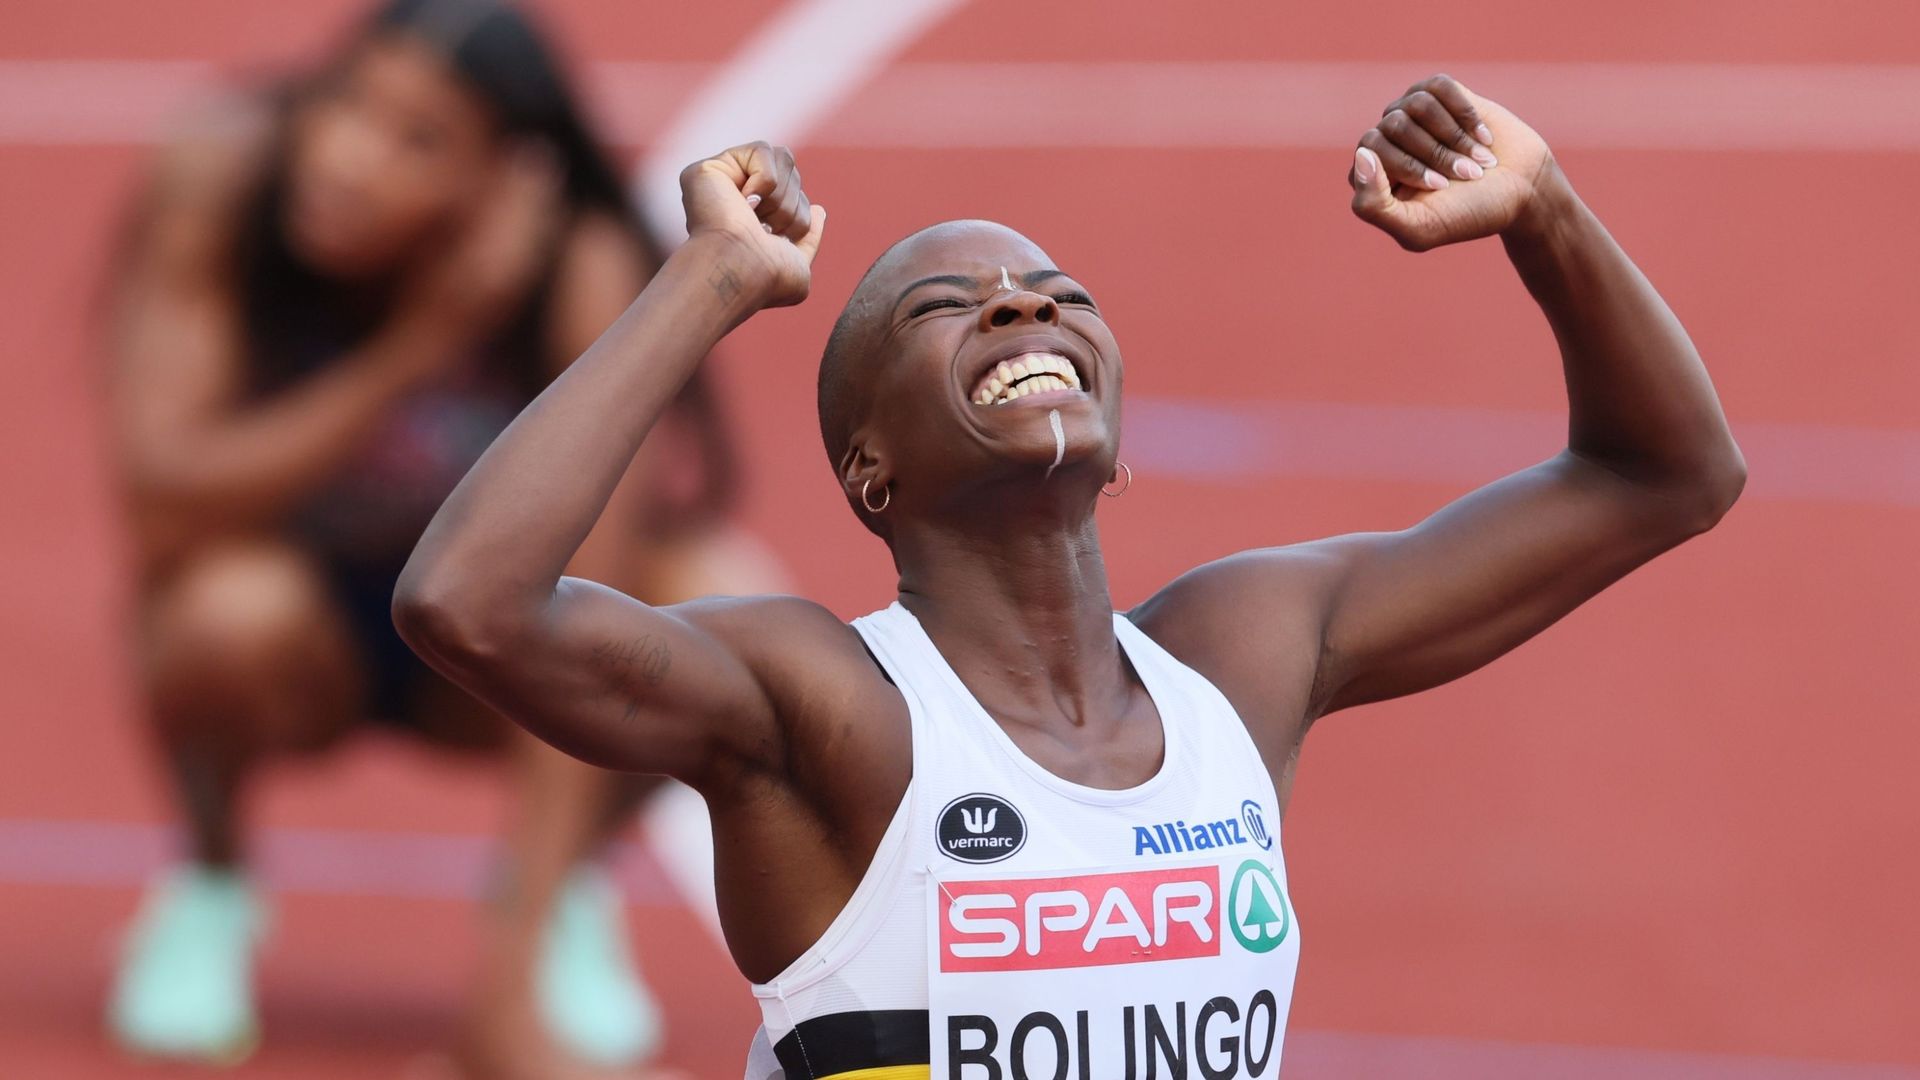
883	1044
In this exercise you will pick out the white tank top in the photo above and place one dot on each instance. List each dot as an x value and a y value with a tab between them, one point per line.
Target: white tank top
1014	924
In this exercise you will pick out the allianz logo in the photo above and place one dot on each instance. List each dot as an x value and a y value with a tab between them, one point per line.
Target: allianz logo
1168	837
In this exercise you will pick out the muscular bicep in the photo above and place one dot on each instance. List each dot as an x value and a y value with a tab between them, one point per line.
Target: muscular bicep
1292	633
620	684
1409	610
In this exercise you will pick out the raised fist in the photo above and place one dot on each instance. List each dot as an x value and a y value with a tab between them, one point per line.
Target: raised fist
750	197
1445	165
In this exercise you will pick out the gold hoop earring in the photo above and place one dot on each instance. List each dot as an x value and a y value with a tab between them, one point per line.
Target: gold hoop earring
1122	466
886	497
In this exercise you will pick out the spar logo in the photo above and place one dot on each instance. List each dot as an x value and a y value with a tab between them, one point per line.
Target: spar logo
1257	908
1032	924
980	828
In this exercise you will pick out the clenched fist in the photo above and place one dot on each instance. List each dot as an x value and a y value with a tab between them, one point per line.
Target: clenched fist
1445	165
750	199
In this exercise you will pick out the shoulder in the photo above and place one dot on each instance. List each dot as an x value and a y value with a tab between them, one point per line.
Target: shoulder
1250	588
1251	623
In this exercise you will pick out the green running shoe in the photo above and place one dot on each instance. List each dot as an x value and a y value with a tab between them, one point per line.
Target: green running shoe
185	985
592	999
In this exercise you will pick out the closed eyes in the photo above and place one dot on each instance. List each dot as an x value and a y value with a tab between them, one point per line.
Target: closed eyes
1076	299
934	304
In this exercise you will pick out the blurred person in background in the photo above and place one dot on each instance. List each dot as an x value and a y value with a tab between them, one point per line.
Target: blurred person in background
336	293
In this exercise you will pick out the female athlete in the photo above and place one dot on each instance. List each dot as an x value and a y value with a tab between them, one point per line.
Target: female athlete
997	829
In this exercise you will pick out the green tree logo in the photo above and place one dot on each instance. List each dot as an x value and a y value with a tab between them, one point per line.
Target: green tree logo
1257	908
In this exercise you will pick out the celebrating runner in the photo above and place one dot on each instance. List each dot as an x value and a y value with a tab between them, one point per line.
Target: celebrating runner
998	829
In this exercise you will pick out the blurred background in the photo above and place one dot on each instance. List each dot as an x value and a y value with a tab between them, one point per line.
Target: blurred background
1676	836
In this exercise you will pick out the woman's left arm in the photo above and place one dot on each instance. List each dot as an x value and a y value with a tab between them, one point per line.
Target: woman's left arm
1649	459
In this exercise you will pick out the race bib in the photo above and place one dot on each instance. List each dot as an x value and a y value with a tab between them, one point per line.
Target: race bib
1109	974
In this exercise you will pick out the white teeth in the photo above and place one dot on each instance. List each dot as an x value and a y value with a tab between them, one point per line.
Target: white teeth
1042	372
1037	384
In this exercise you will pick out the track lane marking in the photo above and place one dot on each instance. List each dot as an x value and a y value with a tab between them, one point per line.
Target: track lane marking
680	109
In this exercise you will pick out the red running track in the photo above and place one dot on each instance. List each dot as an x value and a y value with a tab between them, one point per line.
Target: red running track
1680	824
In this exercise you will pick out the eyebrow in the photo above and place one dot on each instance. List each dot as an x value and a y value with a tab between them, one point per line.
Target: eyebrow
1029	279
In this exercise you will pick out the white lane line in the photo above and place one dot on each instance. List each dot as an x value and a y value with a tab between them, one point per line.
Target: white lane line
83	102
798	67
1247	441
1311	104
358	862
1175	107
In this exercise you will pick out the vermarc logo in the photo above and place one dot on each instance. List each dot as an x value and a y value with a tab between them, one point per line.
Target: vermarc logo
980	828
973	822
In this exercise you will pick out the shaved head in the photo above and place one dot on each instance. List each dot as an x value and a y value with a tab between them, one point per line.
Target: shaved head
850	345
933	388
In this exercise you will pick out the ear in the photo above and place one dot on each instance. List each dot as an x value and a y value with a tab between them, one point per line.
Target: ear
863	471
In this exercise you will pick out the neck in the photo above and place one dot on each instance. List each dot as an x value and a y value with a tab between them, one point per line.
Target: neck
1021	611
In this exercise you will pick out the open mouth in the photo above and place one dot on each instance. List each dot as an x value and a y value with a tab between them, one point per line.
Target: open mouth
1023	376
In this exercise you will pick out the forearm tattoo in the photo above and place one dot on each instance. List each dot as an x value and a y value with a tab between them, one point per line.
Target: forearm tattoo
724	284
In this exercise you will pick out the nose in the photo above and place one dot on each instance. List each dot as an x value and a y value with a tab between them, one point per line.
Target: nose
352	154
364	154
1018	306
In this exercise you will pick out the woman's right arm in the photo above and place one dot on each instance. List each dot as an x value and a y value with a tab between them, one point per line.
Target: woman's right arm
686	690
197	454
